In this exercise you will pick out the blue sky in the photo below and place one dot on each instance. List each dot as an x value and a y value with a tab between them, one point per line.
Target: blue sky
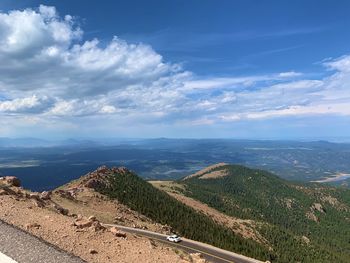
233	69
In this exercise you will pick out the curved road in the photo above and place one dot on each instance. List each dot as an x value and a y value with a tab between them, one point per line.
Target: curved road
17	245
209	252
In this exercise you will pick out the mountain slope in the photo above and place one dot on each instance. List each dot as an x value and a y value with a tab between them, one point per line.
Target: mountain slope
45	216
306	223
142	197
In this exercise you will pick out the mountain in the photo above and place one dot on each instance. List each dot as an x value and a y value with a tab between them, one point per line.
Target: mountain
132	191
23	142
300	222
247	211
73	218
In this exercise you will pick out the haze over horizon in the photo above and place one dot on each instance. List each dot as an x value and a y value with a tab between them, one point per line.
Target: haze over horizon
238	69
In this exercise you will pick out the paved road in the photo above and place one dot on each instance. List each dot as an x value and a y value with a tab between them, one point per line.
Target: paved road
19	246
211	253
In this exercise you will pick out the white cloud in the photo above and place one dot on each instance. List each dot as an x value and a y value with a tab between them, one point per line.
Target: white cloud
289	74
30	104
50	74
340	64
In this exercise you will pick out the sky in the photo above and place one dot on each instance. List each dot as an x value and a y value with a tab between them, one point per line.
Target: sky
180	68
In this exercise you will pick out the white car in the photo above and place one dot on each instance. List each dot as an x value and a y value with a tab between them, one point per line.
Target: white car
174	238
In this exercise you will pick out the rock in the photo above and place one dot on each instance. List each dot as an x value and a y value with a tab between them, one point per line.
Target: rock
34	196
96	226
318	207
312	216
92	251
93	183
305	239
82	223
120	170
46	195
60	209
3	192
11	180
66	194
32	225
92	218
102	169
118	233
197	258
38	203
167	229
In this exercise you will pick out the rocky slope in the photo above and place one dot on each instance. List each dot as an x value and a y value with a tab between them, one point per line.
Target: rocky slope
70	217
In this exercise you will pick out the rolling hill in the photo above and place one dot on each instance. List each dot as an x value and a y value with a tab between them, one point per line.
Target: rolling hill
300	222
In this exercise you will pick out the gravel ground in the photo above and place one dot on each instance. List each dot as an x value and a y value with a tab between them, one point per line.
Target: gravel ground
25	248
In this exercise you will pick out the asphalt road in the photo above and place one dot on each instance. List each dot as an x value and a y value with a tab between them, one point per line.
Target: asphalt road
209	252
19	246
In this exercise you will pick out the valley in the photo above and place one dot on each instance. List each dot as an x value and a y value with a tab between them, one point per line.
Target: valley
49	166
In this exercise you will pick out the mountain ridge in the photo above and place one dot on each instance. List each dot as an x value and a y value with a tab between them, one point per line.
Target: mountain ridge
305	215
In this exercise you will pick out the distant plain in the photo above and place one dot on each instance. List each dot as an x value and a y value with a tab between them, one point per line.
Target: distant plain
42	165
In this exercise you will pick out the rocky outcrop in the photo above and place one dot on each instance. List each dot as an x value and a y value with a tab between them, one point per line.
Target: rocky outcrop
305	239
88	223
46	195
67	194
312	216
318	207
100	177
10	181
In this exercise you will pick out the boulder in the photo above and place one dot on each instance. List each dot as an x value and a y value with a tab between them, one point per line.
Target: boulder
92	251
60	209
38	203
305	239
92	218
46	195
82	223
34	196
118	233
318	207
96	226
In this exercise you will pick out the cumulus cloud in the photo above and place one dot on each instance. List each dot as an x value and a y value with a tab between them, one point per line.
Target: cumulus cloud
50	73
33	104
44	53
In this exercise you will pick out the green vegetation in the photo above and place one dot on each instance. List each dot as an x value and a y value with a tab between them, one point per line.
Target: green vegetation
304	223
141	196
